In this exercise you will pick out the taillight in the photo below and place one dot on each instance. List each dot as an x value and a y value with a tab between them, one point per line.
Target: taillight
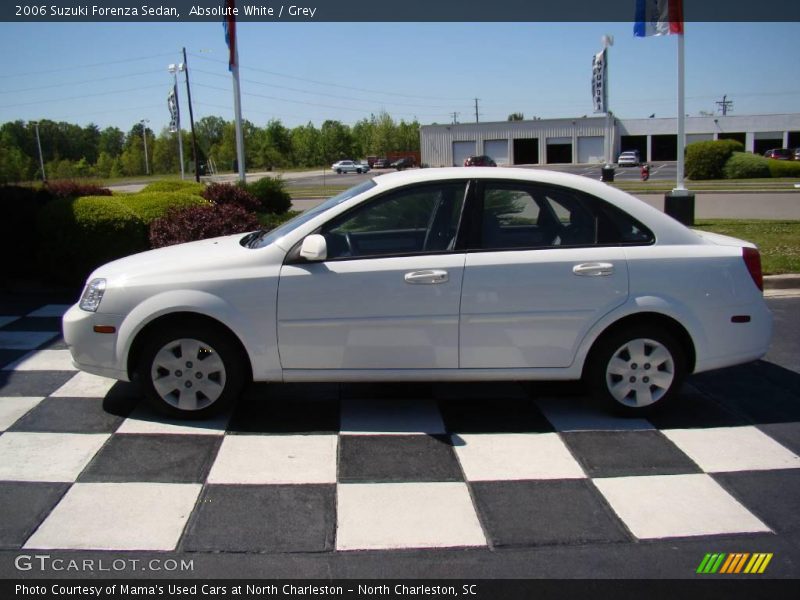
752	259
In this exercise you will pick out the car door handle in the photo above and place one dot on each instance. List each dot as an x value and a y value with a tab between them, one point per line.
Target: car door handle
427	277
594	269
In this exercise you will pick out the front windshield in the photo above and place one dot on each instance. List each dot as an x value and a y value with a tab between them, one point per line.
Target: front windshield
261	239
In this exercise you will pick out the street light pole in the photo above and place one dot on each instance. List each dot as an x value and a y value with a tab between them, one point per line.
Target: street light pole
41	158
144	137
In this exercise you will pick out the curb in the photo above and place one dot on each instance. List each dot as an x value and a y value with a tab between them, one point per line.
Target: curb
782	282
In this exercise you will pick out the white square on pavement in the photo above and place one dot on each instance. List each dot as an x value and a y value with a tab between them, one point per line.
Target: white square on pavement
47	456
259	459
85	385
492	457
568	414
391	417
146	421
43	360
25	340
118	516
723	449
406	515
664	506
50	310
12	408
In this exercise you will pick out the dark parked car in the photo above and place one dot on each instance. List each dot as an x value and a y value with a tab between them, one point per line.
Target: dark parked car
404	163
780	154
381	163
480	161
797	153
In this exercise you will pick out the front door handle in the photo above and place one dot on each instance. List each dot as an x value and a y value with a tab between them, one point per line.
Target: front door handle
429	276
594	269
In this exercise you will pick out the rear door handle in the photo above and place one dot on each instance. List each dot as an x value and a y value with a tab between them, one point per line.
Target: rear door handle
594	269
430	276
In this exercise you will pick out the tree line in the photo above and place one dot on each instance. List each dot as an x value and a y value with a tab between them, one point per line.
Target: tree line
71	151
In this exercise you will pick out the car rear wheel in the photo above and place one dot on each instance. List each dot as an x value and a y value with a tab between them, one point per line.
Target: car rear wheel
637	371
191	372
339	171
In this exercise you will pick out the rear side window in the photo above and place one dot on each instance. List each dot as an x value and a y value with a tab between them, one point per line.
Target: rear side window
531	216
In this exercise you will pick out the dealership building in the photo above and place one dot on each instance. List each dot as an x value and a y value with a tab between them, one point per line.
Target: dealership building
583	139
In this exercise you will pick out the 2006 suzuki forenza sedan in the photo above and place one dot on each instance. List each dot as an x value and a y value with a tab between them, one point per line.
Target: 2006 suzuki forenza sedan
432	275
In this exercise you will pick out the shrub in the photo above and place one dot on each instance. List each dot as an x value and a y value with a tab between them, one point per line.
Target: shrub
225	193
175	185
271	194
271	221
783	168
78	235
20	207
706	160
200	222
743	165
152	205
75	189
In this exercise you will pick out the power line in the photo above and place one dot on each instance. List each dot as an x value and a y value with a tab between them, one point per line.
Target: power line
136	89
59	85
75	67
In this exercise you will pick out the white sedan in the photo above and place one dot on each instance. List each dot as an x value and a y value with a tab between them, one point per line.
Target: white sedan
349	166
432	275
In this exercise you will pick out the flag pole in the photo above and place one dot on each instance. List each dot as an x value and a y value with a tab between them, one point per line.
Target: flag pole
237	109
680	187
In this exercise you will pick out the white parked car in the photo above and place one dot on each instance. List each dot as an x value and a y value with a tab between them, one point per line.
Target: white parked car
629	158
349	166
432	275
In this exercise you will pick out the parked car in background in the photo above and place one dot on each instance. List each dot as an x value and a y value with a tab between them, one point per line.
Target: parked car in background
780	154
797	153
404	163
479	161
629	158
381	163
349	166
440	275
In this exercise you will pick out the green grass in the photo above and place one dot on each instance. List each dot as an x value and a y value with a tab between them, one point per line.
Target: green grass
778	241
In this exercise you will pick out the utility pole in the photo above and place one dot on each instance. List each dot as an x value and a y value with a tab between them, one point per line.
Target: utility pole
476	109
191	119
455	117
41	158
725	105
144	137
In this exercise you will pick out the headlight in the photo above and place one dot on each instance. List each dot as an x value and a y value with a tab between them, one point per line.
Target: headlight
92	295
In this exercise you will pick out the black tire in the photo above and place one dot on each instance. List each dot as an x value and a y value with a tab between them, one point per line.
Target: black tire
636	371
191	388
358	171
339	171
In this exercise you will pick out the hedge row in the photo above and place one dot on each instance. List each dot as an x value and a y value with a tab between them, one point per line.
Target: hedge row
726	159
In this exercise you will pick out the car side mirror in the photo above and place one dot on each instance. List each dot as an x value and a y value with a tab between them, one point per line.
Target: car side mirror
314	248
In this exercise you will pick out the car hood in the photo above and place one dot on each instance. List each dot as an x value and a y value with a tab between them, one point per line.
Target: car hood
182	260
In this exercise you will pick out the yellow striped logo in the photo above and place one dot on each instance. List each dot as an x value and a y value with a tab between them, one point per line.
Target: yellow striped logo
734	563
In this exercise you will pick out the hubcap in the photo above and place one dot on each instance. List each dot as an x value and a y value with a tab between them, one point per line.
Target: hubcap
188	374
640	372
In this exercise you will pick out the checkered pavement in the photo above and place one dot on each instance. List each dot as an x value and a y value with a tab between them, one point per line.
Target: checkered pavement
330	468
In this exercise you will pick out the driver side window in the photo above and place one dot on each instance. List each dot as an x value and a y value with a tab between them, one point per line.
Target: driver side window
413	220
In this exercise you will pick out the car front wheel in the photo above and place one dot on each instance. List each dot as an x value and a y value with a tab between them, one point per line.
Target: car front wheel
637	371
191	372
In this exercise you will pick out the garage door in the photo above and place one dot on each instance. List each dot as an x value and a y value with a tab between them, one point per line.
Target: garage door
461	151
498	150
590	149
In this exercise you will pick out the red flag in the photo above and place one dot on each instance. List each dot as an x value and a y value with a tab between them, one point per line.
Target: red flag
230	32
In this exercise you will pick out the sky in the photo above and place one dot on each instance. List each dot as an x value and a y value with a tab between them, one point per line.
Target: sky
115	74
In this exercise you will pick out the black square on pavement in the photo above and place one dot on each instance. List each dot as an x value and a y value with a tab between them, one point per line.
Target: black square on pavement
624	453
692	409
258	412
493	415
69	415
772	496
153	458
35	324
397	458
33	383
263	518
23	506
538	513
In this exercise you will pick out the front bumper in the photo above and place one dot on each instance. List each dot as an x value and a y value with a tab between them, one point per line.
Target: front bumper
95	353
